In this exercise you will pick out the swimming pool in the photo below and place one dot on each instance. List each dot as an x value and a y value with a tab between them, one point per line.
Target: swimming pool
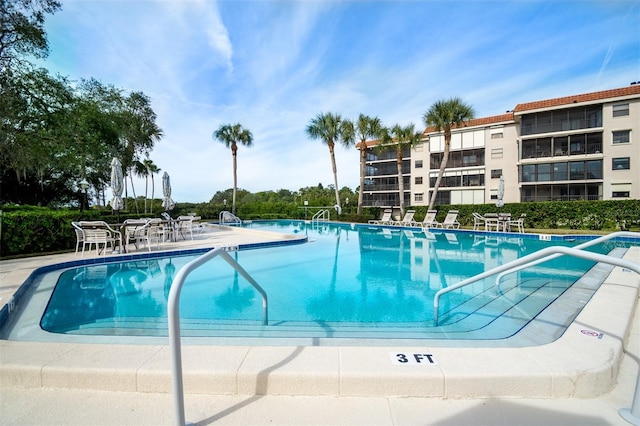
347	282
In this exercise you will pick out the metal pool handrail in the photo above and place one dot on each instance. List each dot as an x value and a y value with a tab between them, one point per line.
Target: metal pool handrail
173	312
321	215
526	260
589	243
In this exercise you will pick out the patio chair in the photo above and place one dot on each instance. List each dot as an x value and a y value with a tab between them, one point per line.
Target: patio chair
450	221
79	235
479	222
407	220
168	227
187	224
99	233
518	223
429	220
385	219
148	233
491	222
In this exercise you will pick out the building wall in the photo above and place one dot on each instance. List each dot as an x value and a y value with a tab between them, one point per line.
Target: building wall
502	142
621	180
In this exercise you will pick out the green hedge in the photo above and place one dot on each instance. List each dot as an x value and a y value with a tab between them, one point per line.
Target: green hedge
35	230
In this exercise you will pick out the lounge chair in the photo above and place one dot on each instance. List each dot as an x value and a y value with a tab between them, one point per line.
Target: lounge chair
385	219
429	220
450	221
407	220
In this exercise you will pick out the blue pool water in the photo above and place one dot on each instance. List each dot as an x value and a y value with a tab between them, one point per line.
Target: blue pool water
347	281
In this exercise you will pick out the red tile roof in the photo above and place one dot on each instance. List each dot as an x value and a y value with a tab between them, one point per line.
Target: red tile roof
586	97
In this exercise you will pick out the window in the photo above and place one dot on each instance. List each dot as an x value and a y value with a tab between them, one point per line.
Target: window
496	173
620	194
576	169
528	173
418	197
418	180
594	169
418	164
544	172
620	110
560	171
621	136
621	163
496	135
496	153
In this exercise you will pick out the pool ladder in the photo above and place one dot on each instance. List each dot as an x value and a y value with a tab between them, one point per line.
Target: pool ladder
321	216
543	256
228	218
173	313
631	415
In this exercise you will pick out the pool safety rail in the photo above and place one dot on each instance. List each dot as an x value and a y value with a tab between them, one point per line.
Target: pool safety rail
631	415
228	218
543	256
321	216
173	313
589	243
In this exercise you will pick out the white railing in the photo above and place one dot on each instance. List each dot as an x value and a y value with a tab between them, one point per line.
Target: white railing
321	216
589	243
173	313
228	218
530	259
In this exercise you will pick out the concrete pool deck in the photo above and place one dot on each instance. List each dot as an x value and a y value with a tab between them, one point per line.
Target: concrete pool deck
582	378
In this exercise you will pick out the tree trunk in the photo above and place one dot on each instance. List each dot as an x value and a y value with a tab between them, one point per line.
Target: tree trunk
133	190
335	172
234	154
443	166
363	168
153	191
400	180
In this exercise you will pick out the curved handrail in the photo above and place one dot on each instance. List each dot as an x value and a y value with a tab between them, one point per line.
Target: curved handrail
228	217
544	253
589	243
323	215
173	312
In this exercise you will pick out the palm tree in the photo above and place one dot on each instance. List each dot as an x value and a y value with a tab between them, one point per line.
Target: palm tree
443	115
152	169
139	169
230	135
332	128
401	138
365	128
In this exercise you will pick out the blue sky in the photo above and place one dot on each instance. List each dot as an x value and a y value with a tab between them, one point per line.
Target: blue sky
274	65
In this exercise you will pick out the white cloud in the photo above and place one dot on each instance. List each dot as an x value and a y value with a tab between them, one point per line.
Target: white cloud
272	66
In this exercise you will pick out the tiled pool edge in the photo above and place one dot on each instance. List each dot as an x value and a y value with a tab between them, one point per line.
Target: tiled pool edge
7	309
583	363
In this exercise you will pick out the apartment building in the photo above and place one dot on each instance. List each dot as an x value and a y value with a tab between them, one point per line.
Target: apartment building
581	147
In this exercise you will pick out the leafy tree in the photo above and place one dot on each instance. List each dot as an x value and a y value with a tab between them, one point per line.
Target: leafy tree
22	30
331	128
443	115
230	135
365	129
401	138
138	132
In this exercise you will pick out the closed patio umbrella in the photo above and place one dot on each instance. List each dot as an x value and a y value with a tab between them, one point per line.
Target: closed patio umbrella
499	202
117	184
167	202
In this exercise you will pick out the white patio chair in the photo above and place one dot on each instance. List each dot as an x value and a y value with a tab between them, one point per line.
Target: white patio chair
429	220
479	222
385	219
99	233
450	221
407	220
518	223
